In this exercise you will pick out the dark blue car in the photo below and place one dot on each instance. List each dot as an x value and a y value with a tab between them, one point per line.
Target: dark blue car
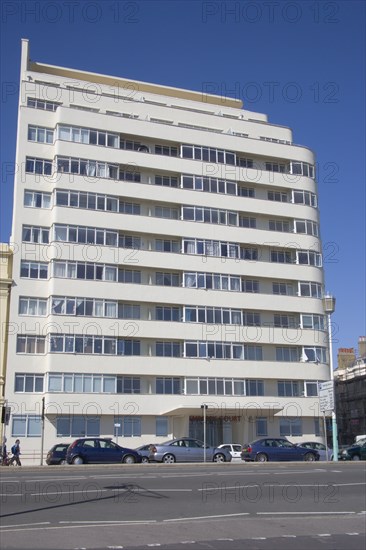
97	450
276	449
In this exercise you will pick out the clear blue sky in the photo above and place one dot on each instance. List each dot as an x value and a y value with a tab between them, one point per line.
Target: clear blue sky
300	62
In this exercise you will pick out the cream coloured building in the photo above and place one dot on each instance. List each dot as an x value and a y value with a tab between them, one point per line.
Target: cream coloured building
169	258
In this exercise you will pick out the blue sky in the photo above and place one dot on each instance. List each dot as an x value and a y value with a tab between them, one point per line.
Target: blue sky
300	62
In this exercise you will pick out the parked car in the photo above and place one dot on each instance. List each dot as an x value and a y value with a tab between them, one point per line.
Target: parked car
271	448
57	454
357	451
233	448
94	450
320	447
144	451
186	449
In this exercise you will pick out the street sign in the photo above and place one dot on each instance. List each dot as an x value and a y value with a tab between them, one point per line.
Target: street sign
326	396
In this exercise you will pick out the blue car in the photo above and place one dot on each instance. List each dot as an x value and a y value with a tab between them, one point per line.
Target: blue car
98	450
276	449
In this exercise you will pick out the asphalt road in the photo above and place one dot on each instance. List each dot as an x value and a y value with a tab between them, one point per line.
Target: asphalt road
213	506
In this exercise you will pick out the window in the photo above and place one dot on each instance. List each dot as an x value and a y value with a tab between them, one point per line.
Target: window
130	175
167	245
290	388
250	254
250	286
307	257
304	197
314	355
84	167
261	426
247	222
43	105
33	270
284	321
38	166
129	276
287	354
84	270
208	154
166	150
310	321
283	289
278	196
29	383
166	212
128	311
31	234
246	192
290	427
209	215
167	279
244	162
311	389
279	225
40	135
26	426
93	345
209	185
212	281
166	181
275	167
92	383
254	387
314	290
35	199
77	426
131	426
251	319
281	256
167	349
166	313
168	386
88	136
302	169
32	306
306	226
31	344
161	426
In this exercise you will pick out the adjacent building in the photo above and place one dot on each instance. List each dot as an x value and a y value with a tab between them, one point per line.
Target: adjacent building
350	392
169	257
6	259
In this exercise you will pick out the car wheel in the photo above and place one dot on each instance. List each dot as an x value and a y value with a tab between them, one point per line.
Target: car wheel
261	457
62	462
129	459
145	460
355	457
219	458
309	457
168	459
77	460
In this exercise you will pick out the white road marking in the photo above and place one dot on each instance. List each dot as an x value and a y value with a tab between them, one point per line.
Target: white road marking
352	534
301	513
25	524
324	535
207	517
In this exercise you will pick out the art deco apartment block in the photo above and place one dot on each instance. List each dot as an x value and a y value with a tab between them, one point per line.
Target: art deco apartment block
167	255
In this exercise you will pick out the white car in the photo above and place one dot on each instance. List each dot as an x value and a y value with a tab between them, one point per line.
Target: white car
233	448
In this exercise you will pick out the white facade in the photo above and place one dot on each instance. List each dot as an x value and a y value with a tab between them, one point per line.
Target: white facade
167	255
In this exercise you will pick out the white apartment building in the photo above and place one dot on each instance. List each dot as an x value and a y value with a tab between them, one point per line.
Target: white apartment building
166	256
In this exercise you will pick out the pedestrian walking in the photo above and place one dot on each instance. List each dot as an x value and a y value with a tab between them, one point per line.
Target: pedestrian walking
16	452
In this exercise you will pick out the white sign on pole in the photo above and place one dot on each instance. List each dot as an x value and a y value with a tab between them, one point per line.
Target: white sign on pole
326	396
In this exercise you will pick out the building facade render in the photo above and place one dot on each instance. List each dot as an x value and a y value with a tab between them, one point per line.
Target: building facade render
168	256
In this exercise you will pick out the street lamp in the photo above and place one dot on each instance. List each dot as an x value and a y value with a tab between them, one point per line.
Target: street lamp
329	308
204	407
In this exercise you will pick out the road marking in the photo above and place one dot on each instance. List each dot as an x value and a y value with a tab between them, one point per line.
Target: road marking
25	524
207	517
288	536
352	534
281	485
101	522
302	513
324	534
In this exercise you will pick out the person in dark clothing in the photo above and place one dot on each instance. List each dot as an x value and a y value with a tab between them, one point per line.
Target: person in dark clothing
16	452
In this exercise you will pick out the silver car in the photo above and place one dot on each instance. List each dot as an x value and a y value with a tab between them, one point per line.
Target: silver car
186	449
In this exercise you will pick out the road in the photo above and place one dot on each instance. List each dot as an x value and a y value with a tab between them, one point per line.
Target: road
211	506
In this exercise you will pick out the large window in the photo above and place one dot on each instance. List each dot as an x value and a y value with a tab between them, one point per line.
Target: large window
313	290
168	313
33	306
290	388
168	385
40	135
34	345
287	354
86	235
33	270
215	281
261	426
84	270
289	427
304	197
210	185
84	167
128	426
92	383
168	349
77	426
208	154
283	289
209	215
32	234
167	279
308	257
29	383
38	166
36	199
161	426
213	315
26	426
93	345
88	136
211	248
41	104
222	350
